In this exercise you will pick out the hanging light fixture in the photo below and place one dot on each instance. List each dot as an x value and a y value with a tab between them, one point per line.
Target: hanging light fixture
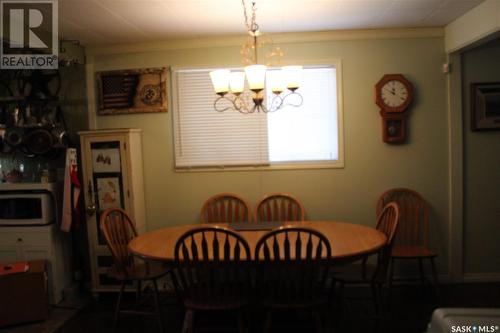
230	86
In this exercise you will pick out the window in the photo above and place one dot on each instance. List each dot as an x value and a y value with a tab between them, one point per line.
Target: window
305	136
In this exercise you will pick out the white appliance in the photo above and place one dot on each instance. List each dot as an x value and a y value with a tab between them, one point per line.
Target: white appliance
29	204
29	230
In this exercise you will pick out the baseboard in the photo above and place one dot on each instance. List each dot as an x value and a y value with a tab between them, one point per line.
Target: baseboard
415	279
467	278
481	277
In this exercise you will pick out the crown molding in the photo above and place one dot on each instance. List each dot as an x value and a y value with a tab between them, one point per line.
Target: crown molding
282	38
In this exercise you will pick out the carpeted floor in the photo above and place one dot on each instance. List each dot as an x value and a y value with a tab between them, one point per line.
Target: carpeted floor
411	308
58	316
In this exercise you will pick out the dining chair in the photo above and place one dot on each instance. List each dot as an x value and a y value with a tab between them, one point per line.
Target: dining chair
211	273
374	276
118	229
279	207
291	272
225	207
412	238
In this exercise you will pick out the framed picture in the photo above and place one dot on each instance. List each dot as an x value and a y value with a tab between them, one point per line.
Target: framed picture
485	106
106	160
132	91
109	193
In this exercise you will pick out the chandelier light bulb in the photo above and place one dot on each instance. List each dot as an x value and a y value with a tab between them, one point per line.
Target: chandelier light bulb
293	76
256	76
237	82
220	80
277	82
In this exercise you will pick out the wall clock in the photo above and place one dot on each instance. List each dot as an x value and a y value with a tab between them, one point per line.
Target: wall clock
393	94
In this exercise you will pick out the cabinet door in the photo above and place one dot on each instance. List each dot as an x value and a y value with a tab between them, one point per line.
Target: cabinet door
9	253
30	252
105	169
105	181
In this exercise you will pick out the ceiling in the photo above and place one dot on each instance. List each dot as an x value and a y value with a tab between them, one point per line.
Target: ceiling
125	21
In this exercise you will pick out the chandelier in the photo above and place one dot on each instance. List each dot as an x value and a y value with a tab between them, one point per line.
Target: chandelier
230	86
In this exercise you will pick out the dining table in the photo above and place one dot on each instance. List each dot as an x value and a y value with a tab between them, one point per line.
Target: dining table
348	241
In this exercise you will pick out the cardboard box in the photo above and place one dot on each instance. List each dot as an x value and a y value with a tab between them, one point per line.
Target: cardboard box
23	296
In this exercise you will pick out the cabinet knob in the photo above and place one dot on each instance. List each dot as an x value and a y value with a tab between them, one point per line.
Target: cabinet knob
91	210
19	239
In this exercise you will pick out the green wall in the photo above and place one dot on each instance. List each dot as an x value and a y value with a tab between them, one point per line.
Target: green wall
371	166
481	169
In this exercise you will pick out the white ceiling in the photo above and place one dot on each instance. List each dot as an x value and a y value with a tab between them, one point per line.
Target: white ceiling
123	21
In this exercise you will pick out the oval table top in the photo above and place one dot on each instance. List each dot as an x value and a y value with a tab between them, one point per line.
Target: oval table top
348	241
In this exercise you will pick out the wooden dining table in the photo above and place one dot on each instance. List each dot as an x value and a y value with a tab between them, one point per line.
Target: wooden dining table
348	241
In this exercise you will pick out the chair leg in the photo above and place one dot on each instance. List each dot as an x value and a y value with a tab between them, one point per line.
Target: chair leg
157	306
392	263
376	298
421	270
435	281
117	309
187	325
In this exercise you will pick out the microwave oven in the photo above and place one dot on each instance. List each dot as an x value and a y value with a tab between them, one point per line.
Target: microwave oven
24	207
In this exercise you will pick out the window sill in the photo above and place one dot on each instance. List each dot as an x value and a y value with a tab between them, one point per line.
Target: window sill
274	167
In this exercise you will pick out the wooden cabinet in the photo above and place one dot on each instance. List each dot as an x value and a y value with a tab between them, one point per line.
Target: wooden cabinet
112	177
40	242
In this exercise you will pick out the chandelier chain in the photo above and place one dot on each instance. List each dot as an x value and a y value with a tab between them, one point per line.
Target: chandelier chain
252	26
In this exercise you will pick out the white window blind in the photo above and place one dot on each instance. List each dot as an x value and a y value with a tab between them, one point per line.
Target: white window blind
308	132
207	138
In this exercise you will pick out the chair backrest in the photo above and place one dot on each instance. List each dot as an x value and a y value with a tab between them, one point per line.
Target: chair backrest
118	229
225	207
279	207
211	266
292	265
413	226
387	222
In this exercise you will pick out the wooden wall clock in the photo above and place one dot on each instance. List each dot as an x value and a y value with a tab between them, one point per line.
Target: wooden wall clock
393	94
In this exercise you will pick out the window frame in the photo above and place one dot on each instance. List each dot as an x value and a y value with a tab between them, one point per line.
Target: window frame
287	165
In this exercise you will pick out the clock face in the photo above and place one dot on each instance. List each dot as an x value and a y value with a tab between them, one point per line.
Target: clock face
150	94
394	93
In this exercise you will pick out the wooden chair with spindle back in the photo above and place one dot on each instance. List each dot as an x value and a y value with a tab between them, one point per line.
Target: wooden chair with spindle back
292	271
373	276
279	207
212	272
412	238
225	207
118	229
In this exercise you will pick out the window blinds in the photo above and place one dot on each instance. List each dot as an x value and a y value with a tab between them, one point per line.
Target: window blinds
308	132
206	138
